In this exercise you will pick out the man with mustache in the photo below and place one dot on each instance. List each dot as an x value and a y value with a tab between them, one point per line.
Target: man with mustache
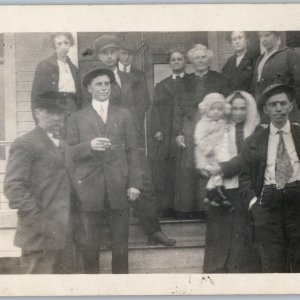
270	180
37	185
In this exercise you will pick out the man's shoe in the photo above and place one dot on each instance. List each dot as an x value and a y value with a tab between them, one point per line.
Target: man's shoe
160	238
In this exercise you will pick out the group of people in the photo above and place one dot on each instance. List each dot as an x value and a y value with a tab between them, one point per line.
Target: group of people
85	165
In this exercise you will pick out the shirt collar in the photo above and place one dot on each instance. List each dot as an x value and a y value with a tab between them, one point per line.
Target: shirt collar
175	75
97	104
121	67
286	128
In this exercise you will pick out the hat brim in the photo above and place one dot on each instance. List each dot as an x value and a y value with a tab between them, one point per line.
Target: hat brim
87	79
108	46
277	89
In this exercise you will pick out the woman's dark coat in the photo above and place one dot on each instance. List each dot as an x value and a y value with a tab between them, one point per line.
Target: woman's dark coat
240	76
46	78
190	190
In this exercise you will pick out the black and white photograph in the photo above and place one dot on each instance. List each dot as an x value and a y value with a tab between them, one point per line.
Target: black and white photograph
126	149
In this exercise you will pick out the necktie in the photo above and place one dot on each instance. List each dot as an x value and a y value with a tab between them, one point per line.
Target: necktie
102	113
124	69
283	165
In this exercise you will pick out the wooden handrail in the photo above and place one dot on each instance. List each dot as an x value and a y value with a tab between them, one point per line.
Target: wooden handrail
5	143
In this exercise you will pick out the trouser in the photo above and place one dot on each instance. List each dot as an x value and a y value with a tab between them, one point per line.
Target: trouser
43	262
88	236
276	219
145	206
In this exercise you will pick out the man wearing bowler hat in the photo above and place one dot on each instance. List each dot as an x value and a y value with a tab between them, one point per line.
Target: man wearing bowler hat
106	171
38	186
126	92
270	180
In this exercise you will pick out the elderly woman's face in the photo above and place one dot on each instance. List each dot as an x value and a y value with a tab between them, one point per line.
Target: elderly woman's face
268	39
62	45
239	41
177	62
238	110
200	60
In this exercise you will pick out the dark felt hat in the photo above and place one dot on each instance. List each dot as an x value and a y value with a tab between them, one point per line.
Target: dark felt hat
51	101
88	77
275	89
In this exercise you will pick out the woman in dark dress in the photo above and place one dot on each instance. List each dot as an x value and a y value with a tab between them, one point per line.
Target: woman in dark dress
190	190
164	147
240	67
57	73
228	247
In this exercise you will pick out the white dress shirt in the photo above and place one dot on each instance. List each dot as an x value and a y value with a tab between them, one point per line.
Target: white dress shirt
117	76
101	108
175	75
124	68
53	139
66	81
272	153
238	60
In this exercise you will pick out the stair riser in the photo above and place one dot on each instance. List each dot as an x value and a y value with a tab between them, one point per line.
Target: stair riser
166	260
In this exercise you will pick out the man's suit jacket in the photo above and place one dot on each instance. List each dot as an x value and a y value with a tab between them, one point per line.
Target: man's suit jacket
37	184
254	161
133	95
110	173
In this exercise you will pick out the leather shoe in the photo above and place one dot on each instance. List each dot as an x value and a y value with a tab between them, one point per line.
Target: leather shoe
160	238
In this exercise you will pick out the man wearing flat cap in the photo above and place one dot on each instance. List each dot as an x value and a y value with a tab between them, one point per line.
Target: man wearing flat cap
127	92
270	182
38	186
106	172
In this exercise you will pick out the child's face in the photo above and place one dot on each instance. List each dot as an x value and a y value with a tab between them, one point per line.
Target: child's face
216	112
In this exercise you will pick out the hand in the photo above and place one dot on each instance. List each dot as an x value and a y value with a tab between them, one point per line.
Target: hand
158	136
180	141
214	170
133	194
252	202
100	144
204	173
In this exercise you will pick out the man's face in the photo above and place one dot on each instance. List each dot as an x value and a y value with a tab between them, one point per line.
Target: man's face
177	62
278	107
126	57
109	56
100	88
50	120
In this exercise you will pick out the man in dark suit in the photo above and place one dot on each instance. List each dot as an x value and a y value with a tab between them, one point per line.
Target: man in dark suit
38	186
270	180
106	171
139	85
127	93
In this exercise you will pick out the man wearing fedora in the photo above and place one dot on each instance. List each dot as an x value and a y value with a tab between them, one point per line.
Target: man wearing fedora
106	171
38	186
126	92
270	180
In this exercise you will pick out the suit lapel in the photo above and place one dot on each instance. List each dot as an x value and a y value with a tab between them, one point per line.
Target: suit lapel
53	150
262	144
96	123
295	129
